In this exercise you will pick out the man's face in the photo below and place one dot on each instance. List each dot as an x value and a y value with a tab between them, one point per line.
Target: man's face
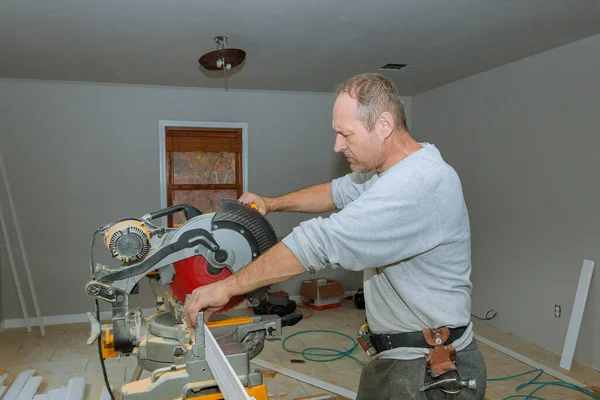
364	150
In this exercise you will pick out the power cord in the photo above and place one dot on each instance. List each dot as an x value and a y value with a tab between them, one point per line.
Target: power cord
487	317
306	316
110	393
541	386
326	354
97	308
533	381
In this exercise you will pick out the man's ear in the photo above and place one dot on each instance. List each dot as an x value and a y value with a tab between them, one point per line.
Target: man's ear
386	124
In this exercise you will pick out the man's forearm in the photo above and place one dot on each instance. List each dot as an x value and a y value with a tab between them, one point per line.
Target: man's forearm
276	265
315	199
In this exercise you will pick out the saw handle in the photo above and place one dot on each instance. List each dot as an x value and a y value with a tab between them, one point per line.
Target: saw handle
291	319
189	212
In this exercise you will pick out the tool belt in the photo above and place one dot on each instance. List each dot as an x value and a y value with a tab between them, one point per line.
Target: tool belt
440	358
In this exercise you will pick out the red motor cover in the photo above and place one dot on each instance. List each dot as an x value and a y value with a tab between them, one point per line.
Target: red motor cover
192	273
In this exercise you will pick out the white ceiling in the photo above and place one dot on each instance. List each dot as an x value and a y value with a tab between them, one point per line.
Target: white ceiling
306	45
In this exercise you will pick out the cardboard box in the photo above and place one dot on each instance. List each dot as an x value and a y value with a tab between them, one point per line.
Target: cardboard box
322	293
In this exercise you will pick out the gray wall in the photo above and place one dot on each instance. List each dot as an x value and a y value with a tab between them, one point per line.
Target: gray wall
2	251
524	139
81	155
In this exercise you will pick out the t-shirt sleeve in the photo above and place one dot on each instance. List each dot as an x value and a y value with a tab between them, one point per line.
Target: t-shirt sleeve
381	227
347	188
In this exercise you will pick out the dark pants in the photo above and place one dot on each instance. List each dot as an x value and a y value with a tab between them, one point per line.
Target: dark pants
401	379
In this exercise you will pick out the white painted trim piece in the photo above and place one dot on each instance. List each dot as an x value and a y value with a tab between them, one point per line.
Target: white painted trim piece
18	384
58	394
67	319
162	124
75	388
30	388
13	267
229	384
22	247
585	279
305	378
44	396
529	361
2	392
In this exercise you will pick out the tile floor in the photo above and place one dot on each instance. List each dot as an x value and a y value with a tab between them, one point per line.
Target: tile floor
63	353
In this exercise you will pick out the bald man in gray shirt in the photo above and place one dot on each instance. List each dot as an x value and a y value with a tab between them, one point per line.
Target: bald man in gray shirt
408	230
401	219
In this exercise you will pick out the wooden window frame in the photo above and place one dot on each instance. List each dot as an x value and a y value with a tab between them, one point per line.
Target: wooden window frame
178	139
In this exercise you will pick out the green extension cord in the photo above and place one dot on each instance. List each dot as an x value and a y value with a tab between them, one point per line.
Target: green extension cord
541	386
325	354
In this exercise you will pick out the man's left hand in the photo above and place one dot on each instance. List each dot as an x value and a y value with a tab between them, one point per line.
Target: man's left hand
209	299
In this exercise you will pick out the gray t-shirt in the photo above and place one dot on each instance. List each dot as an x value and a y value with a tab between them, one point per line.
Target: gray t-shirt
408	230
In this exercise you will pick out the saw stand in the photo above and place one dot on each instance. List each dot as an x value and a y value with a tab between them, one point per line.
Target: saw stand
451	385
198	371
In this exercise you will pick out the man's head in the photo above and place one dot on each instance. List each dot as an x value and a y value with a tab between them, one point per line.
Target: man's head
367	112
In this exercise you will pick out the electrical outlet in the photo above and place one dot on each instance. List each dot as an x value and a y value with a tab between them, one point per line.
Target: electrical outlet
557	310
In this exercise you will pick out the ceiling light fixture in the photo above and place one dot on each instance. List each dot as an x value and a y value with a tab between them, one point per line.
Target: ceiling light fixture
223	58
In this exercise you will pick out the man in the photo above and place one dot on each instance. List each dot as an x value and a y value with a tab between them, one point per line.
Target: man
402	220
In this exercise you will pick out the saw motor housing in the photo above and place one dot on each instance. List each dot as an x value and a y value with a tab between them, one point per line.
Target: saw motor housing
128	240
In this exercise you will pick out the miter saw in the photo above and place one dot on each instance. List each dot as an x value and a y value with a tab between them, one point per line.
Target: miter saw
204	249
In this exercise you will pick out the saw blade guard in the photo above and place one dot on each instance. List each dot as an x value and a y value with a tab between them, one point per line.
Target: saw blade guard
242	232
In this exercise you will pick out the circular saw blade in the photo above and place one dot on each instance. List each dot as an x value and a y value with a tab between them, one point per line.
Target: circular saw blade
232	215
194	272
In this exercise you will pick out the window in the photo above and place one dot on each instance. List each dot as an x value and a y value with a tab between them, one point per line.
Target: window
204	165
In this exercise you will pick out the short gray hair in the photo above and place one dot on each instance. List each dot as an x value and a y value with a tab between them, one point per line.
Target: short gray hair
375	94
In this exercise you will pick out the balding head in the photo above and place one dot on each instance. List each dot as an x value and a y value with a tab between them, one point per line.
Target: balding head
375	94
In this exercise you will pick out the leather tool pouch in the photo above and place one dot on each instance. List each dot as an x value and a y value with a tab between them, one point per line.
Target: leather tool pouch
441	357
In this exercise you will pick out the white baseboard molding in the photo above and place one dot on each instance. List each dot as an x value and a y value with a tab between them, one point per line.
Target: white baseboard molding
529	361
104	315
63	319
298	298
305	378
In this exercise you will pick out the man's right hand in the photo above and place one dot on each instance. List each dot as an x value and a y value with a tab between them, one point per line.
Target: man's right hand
251	198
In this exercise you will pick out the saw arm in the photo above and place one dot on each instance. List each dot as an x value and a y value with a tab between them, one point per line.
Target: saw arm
189	244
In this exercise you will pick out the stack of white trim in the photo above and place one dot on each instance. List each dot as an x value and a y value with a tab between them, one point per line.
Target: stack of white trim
26	385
